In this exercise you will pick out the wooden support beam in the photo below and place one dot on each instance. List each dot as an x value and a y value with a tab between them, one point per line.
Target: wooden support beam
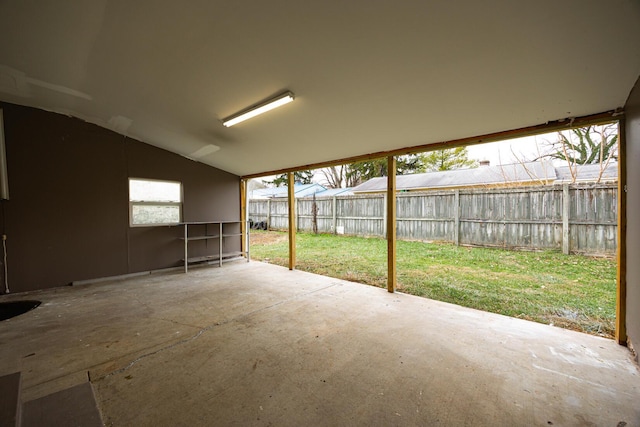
557	125
243	217
391	224
621	279
292	221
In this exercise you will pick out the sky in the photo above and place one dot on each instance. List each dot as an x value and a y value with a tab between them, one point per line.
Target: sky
512	150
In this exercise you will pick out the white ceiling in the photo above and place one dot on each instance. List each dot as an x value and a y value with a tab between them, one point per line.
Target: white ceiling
368	76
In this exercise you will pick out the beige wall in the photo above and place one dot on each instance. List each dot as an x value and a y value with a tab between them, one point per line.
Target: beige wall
633	207
67	217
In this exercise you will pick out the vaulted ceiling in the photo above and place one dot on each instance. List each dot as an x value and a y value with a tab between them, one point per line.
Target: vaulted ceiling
368	76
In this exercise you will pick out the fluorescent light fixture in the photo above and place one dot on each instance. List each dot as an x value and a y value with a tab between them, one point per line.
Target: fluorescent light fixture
257	109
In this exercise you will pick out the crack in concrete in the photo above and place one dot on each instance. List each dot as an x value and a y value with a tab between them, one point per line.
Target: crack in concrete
175	322
151	310
208	328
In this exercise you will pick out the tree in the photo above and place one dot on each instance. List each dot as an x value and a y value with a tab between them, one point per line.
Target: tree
452	158
300	177
342	176
352	174
407	164
367	169
589	145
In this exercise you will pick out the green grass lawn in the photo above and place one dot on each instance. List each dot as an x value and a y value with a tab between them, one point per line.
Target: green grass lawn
570	291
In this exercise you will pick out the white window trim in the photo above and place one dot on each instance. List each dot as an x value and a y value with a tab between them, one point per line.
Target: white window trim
133	203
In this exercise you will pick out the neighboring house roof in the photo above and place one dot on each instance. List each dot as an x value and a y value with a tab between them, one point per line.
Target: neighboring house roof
589	173
526	173
331	192
300	190
517	173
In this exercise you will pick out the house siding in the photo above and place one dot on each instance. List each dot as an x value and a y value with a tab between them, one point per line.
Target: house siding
67	218
632	125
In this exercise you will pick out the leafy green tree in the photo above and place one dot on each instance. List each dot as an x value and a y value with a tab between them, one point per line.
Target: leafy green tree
300	177
355	173
452	158
596	144
367	169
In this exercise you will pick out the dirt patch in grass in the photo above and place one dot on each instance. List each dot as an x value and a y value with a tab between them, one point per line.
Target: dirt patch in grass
578	322
268	238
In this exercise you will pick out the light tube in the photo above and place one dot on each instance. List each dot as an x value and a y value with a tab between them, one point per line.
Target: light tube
276	102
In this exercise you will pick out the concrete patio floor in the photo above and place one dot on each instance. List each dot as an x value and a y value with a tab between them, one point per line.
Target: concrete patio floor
256	344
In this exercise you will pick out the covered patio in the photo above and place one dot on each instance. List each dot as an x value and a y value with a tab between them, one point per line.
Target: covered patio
99	95
257	344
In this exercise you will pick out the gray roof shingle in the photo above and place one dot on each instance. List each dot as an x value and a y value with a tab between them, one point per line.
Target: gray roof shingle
537	172
588	173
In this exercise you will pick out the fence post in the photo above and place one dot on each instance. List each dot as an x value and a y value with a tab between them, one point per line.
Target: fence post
384	215
566	211
334	219
456	217
314	215
268	214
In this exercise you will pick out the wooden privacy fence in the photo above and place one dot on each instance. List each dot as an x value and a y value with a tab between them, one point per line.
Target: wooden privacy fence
571	218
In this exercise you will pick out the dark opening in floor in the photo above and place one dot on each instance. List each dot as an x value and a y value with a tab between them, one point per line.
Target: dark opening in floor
16	308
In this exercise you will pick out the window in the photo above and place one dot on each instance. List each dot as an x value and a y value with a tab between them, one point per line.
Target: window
153	202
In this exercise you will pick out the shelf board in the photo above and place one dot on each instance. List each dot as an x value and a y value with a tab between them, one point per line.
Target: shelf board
209	222
201	237
211	237
232	258
225	257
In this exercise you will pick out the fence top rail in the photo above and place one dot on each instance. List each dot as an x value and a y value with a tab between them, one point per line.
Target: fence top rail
310	198
448	192
505	190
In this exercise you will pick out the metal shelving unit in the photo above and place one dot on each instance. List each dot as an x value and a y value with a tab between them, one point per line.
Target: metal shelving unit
219	234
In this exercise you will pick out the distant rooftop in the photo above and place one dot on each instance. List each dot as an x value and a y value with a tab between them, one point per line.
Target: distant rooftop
330	192
300	190
526	173
588	173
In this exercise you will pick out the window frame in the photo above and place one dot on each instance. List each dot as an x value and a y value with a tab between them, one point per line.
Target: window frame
133	203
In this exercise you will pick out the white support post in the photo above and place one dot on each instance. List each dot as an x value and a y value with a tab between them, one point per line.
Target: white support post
220	239
186	247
